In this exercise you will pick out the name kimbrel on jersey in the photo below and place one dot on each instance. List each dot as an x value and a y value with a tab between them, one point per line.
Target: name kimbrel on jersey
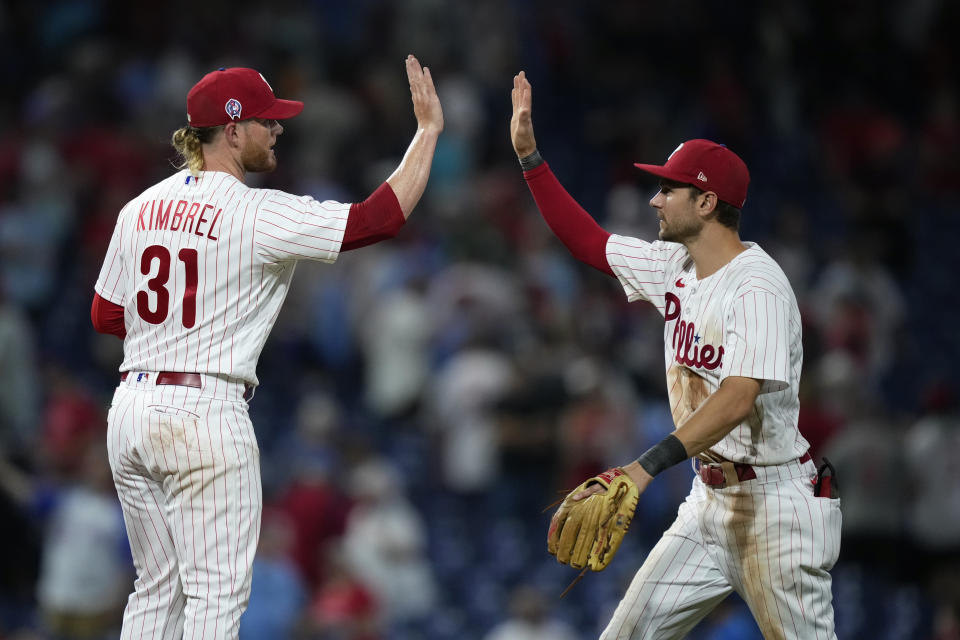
185	216
686	352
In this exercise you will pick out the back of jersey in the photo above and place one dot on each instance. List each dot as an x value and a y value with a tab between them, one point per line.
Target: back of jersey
202	266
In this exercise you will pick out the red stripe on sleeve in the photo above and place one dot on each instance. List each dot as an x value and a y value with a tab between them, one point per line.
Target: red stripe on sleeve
377	218
107	317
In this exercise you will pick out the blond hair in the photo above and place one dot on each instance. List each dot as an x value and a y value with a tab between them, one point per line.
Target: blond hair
188	143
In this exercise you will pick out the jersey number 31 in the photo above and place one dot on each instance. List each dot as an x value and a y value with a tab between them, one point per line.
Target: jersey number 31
157	284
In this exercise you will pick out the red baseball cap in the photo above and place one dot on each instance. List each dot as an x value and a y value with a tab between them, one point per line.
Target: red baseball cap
235	94
708	166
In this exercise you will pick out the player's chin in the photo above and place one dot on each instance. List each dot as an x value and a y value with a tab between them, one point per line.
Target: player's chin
264	165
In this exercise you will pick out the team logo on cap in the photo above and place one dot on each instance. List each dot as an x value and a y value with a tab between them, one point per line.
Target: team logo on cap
233	108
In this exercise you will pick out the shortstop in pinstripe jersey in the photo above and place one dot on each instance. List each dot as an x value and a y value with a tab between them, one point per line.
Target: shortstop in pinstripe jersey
770	538
733	356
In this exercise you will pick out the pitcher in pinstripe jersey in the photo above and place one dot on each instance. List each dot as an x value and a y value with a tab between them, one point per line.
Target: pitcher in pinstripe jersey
756	520
196	272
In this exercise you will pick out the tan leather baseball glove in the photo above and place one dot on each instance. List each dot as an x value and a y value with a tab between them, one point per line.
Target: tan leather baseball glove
588	532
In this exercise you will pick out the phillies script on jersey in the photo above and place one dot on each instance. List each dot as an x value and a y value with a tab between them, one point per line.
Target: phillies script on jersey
155	215
686	340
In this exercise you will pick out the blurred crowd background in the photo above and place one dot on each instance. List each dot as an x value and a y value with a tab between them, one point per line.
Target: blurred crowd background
423	399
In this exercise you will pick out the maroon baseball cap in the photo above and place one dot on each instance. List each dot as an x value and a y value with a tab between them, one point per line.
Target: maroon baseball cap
708	166
235	94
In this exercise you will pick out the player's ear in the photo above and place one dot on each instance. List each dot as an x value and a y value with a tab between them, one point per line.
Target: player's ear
708	203
231	132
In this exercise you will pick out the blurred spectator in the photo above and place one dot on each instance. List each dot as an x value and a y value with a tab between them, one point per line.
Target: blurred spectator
20	538
596	423
868	456
385	540
472	302
312	442
933	515
278	595
939	138
931	445
464	394
832	392
791	248
19	384
861	307
316	509
86	570
528	444
34	223
342	607
72	420
395	337
529	619
862	141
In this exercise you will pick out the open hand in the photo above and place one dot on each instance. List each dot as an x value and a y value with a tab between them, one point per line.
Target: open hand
521	124
426	104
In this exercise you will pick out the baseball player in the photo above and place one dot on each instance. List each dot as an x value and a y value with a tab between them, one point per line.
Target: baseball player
755	521
195	274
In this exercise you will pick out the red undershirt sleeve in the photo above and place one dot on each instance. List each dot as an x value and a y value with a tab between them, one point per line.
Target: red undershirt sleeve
107	317
377	218
581	234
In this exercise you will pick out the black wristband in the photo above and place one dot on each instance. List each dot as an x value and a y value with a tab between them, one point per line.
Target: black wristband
663	455
531	161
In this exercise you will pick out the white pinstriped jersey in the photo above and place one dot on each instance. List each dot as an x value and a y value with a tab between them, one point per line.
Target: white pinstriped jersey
202	266
742	320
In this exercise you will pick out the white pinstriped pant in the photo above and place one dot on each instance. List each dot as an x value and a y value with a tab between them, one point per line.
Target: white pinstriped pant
186	466
770	540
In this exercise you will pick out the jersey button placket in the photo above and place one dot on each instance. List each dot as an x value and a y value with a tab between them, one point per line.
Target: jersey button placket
691	294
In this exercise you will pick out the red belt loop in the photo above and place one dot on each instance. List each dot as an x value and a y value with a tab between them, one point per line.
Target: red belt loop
711	475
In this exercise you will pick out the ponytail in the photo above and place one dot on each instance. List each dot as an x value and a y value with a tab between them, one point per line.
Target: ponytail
188	143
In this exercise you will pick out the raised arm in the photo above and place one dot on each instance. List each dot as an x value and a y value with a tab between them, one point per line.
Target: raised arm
410	179
583	237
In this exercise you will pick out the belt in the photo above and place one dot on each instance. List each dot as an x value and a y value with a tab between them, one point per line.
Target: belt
715	474
182	379
173	377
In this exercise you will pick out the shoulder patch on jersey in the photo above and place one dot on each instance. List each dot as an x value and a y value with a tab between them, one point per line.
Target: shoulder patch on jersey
233	108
